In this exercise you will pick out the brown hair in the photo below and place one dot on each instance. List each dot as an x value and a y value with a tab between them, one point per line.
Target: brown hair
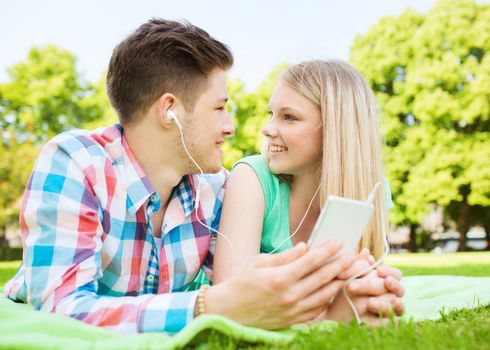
162	56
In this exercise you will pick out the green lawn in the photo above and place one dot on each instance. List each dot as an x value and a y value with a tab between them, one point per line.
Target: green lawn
7	270
465	329
458	264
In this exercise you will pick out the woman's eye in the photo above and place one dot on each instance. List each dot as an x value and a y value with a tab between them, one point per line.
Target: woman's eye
289	117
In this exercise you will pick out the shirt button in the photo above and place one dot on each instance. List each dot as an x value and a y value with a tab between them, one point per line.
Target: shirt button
153	198
150	278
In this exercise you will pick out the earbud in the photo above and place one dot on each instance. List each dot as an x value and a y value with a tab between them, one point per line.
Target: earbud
172	116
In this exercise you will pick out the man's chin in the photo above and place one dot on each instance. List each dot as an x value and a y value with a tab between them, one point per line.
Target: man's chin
212	168
215	169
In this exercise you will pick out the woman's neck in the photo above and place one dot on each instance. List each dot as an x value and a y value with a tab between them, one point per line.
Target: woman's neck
302	219
303	188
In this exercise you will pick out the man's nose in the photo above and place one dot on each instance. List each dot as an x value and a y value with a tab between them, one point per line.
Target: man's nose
228	126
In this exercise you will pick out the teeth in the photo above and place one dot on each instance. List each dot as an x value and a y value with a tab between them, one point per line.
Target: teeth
274	148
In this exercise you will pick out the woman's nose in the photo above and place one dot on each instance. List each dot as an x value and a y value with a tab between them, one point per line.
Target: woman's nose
269	129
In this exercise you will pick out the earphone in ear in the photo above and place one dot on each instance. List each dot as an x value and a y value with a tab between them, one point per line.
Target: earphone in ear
172	116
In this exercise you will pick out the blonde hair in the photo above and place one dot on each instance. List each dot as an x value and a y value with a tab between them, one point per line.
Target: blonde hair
352	160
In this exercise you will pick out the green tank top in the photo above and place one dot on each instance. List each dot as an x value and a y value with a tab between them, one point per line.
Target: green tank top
275	230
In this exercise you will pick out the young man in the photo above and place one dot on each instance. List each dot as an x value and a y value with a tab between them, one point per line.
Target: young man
112	224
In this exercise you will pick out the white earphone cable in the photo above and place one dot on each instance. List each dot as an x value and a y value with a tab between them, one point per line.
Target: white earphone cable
369	200
198	189
300	223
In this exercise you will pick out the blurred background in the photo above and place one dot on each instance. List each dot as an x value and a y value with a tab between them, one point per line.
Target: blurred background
427	61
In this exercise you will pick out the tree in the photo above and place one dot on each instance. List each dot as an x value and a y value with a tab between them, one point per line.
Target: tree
45	95
431	75
99	99
15	165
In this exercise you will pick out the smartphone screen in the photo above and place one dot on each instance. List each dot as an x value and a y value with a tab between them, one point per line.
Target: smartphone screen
342	219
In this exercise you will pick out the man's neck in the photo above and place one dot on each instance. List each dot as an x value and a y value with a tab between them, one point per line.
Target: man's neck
156	156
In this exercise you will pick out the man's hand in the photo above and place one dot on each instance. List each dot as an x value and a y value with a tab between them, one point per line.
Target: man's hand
275	291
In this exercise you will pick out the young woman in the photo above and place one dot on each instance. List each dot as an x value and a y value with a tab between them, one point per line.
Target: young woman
322	139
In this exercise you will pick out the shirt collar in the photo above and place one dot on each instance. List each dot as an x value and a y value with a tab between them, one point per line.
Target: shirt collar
182	202
139	187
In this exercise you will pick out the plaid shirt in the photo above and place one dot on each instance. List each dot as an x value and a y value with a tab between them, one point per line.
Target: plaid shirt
89	249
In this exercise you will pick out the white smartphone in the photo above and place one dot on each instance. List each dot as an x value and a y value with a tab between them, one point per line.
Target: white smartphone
342	219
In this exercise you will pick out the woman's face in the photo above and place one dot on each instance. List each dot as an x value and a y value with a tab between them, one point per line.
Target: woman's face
293	133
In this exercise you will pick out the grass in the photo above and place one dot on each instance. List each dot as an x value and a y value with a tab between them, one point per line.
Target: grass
464	329
457	264
7	270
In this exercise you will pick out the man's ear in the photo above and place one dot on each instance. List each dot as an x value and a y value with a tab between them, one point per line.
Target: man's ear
166	102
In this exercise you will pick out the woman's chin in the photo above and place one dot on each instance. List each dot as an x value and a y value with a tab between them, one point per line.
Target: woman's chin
277	168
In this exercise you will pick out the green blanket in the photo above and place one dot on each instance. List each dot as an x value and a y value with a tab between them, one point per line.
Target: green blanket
23	328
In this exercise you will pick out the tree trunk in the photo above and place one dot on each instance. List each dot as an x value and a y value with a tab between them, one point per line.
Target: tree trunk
3	239
462	225
412	245
487	230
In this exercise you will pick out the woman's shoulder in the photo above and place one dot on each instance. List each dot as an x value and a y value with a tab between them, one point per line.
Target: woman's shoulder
259	165
255	161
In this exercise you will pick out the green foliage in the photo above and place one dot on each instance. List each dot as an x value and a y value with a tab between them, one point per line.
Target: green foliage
431	75
10	254
100	99
16	161
45	96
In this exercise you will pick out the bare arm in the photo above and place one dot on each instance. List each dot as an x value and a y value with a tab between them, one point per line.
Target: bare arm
241	222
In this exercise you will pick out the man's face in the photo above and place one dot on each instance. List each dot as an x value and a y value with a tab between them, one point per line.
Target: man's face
207	126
